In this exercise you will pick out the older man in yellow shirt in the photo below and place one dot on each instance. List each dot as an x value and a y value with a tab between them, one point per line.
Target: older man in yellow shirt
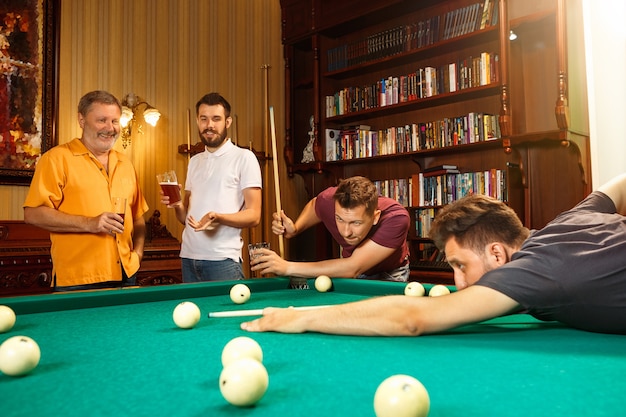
71	193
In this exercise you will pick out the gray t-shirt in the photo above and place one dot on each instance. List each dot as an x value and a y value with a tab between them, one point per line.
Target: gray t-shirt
573	270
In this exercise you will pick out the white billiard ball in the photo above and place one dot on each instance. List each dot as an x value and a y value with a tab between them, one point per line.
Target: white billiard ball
323	283
414	289
240	293
401	396
239	348
186	315
19	355
244	382
438	290
7	319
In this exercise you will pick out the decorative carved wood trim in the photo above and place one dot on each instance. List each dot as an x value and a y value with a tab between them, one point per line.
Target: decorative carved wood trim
26	264
561	109
156	230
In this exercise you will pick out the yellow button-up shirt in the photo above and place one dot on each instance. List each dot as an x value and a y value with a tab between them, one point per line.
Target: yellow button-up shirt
70	179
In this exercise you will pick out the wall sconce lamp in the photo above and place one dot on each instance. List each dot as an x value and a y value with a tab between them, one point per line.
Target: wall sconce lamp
130	106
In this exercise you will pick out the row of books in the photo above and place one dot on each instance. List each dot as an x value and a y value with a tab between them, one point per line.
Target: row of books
423	219
383	44
415	35
431	192
438	188
363	142
398	189
425	82
470	18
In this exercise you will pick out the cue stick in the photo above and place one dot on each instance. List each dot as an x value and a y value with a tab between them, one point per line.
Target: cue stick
257	312
266	223
281	242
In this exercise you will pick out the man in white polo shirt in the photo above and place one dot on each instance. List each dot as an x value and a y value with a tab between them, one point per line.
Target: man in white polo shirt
223	196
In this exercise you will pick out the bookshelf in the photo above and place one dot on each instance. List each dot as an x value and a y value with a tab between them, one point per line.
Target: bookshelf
396	88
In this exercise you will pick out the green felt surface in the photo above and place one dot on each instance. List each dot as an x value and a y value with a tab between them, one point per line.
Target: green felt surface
126	357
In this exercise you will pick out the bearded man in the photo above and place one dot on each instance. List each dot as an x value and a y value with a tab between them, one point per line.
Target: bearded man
222	196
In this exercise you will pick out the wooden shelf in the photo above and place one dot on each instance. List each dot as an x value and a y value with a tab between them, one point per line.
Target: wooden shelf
416	156
547	158
422	103
441	47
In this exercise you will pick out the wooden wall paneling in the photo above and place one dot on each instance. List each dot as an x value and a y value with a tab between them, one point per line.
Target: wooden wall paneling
533	92
554	181
296	18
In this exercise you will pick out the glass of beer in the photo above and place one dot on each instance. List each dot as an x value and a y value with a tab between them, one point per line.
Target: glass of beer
169	186
119	206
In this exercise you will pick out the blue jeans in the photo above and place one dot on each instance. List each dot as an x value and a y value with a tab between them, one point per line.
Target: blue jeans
195	270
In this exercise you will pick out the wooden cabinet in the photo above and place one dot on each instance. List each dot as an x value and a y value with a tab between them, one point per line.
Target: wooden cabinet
548	105
296	19
26	264
414	85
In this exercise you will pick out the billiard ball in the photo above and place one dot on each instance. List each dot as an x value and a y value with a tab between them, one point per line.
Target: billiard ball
323	283
244	382
186	315
240	293
401	396
19	355
7	318
438	290
414	289
239	348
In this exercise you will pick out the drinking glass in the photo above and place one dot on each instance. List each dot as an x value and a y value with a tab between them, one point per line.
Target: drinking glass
169	186
253	247
119	206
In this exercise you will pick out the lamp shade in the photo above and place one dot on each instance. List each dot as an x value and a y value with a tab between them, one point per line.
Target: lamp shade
127	116
151	116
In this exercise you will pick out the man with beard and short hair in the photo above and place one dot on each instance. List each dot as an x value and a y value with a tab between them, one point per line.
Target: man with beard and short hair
223	196
70	196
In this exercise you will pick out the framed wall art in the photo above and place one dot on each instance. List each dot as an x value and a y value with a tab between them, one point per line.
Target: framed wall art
29	42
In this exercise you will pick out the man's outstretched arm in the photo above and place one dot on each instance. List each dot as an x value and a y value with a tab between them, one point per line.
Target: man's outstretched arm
390	315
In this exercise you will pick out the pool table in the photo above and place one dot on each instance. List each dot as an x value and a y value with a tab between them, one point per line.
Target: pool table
118	353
